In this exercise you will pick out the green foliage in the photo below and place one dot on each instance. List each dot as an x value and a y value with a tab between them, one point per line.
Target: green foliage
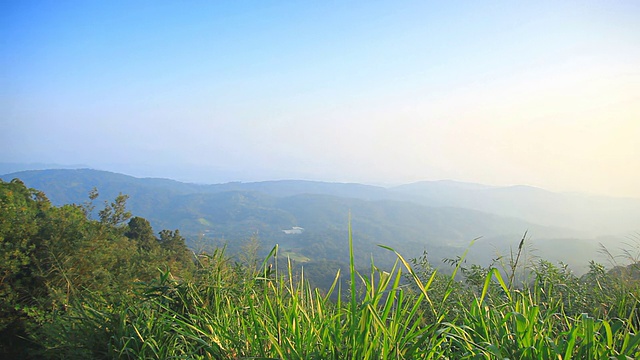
115	213
54	257
139	229
232	312
21	215
74	287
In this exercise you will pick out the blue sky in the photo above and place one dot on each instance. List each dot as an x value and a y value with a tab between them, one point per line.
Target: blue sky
544	94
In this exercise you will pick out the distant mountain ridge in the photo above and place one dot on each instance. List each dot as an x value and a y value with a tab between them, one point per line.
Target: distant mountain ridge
594	215
12	167
441	217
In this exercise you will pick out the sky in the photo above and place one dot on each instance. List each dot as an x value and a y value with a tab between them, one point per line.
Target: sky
543	93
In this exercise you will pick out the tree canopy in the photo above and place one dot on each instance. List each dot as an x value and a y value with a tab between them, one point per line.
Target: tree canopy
50	255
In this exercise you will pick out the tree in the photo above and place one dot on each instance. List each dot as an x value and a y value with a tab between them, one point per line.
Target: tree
116	213
22	211
139	229
175	245
53	259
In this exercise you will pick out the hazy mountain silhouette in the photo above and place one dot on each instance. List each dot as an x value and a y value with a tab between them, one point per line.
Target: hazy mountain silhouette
441	217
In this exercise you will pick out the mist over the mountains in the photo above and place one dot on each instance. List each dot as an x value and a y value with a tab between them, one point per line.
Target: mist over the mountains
440	217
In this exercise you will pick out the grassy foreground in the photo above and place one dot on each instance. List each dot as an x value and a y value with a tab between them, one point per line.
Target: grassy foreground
230	311
74	287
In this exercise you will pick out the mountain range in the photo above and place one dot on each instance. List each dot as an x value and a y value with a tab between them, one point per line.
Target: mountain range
439	217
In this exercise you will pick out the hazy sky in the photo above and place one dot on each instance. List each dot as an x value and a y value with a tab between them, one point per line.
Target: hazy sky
543	93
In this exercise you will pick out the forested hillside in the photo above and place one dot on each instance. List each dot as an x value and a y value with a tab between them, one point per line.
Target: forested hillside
76	287
50	255
588	214
439	217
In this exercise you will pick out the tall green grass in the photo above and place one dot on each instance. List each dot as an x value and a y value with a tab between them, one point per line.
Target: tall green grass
229	311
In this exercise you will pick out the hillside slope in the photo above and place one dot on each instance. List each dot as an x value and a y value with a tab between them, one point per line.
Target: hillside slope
400	217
